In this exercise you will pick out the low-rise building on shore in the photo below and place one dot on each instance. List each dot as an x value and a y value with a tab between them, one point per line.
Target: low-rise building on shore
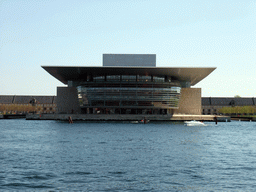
27	103
47	104
213	105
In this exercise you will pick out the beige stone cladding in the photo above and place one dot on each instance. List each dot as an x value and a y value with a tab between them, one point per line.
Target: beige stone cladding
190	101
67	100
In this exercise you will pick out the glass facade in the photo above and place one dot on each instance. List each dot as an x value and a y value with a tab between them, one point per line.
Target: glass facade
128	94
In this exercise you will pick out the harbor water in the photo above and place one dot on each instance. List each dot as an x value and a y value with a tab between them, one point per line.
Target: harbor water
121	156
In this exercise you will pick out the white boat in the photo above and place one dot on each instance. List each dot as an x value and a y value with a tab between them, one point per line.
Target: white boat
194	123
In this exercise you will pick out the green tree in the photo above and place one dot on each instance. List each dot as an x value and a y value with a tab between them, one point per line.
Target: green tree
225	110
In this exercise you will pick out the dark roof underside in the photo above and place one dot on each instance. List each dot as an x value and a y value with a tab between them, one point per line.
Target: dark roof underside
65	74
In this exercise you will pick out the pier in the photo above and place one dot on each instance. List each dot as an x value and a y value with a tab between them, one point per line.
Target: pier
13	116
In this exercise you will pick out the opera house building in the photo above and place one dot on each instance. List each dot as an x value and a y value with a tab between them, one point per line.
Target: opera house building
128	84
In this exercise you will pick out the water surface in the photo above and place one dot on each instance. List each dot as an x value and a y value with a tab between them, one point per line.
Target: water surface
100	156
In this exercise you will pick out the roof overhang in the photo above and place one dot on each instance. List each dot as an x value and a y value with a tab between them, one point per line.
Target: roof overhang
68	73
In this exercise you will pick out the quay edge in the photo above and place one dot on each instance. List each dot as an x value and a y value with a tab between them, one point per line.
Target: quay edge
102	117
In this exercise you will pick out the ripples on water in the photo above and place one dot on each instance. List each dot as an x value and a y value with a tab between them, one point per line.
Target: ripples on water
53	156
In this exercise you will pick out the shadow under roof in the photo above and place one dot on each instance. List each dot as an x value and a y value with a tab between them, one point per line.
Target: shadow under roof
68	73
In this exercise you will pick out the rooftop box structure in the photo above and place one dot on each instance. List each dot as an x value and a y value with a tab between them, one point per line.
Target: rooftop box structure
129	60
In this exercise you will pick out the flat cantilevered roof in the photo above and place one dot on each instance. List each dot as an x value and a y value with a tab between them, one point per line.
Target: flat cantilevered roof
68	73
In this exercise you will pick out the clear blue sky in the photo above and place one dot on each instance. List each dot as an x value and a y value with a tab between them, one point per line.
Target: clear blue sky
182	33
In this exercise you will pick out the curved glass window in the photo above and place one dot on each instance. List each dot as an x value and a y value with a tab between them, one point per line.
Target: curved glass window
154	97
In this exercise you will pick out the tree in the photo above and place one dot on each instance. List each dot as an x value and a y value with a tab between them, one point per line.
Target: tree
225	110
238	110
2	108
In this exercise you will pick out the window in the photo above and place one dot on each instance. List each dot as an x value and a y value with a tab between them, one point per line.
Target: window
129	78
144	78
158	79
99	78
113	78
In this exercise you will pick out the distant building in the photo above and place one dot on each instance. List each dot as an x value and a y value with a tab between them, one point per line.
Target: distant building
128	84
212	105
46	104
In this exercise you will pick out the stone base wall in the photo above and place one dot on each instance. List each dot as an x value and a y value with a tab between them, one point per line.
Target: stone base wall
67	100
190	101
